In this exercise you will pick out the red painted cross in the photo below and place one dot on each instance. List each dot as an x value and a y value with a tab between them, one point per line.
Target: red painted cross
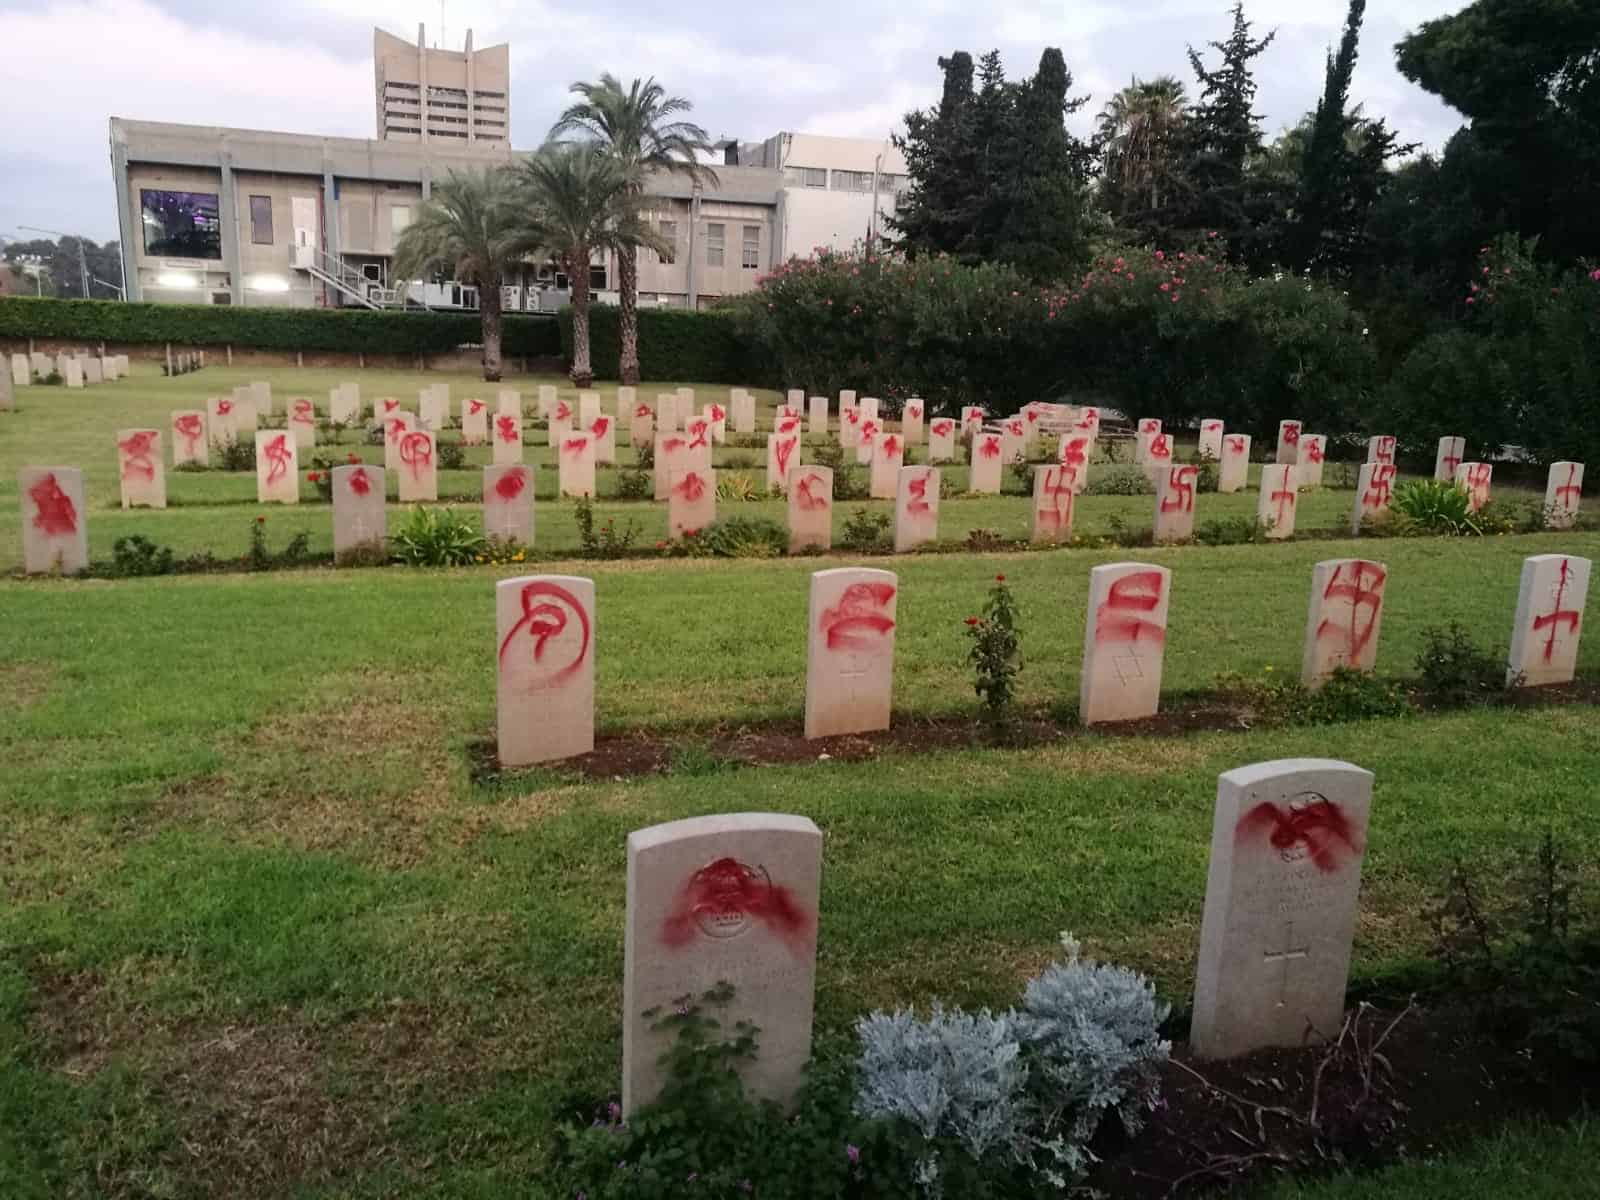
1558	616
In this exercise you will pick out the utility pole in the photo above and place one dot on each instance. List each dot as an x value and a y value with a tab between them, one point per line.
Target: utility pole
83	261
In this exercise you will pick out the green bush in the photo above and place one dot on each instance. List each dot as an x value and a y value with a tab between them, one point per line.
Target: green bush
1230	531
1346	695
674	344
437	537
1455	672
1432	506
138	555
349	330
746	537
865	531
606	541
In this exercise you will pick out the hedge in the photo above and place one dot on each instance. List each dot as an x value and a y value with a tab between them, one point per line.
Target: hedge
674	343
353	331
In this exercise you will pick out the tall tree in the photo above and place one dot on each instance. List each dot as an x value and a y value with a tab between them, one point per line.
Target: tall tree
579	200
637	128
938	146
1139	133
470	226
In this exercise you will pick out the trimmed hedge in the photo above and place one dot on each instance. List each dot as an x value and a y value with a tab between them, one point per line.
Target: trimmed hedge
674	343
353	331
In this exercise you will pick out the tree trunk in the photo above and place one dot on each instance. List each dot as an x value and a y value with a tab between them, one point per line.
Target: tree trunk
628	278
489	311
578	272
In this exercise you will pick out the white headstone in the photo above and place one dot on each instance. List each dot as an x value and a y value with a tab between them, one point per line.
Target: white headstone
220	427
507	439
1175	488
141	468
395	427
93	371
1287	843
916	507
384	406
419	466
691	502
544	693
817	421
1473	478
1053	502
474	422
1275	508
810	508
562	422
1563	492
547	400
360	519
245	418
1073	454
1211	439
667	412
1145	432
603	430
850	651
189	438
302	421
21	371
1380	449
642	430
1158	455
1288	442
575	454
277	468
508	503
672	454
728	899
588	408
1234	473
344	404
888	456
1310	453
1124	642
911	421
987	460
717	417
1344	617
1452	451
849	428
261	393
1374	491
433	408
783	452
54	533
971	420
941	440
1549	621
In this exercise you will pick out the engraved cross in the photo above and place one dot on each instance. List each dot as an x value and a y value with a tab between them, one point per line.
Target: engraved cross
1289	952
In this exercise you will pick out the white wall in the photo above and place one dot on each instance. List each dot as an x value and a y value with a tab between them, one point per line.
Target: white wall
812	217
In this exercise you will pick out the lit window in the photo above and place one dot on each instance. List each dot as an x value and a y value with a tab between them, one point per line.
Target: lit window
261	220
669	235
716	239
752	247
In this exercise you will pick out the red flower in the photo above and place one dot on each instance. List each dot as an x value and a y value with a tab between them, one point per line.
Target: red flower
261	520
313	476
972	620
999	578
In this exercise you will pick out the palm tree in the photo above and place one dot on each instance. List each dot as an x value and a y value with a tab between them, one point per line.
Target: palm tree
577	200
635	127
470	226
1139	127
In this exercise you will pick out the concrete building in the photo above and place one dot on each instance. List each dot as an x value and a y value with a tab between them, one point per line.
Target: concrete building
431	94
836	191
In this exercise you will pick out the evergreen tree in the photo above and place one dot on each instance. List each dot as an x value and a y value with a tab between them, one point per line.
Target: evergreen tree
1041	190
940	203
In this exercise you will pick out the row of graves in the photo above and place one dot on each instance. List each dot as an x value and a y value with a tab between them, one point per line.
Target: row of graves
75	368
546	642
682	433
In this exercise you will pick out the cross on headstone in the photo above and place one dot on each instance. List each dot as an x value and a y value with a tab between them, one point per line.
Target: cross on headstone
1289	952
1128	668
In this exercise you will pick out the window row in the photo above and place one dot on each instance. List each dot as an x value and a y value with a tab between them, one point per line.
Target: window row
843	181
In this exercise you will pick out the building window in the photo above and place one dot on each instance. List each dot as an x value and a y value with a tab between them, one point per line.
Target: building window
891	183
597	277
752	247
852	181
669	235
180	224
261	220
812	177
716	239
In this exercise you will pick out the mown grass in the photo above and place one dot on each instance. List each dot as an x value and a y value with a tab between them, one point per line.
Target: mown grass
263	935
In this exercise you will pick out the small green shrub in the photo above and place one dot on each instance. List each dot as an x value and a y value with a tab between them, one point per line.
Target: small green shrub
1230	531
237	454
865	531
1346	695
635	483
736	487
449	456
995	655
606	541
1433	506
136	555
437	537
1118	481
984	541
1455	672
851	483
746	537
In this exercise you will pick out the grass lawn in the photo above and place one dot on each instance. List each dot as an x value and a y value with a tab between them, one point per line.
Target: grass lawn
262	934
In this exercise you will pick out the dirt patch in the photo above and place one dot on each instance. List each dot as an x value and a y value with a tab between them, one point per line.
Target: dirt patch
23	685
774	743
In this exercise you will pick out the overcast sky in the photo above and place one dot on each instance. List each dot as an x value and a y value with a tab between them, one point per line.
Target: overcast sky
823	66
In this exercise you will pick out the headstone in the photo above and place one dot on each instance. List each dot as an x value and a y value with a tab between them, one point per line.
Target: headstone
866	439
1089	421
810	508
41	363
141	468
93	371
1211	439
726	899
1345	615
911	421
303	422
220	427
717	417
744	414
1563	493
642	430
603	432
261	393
395	427
277	468
849	428
588	408
1287	842
1288	442
971	420
508	503
561	422
850	651
1452	450
686	404
344	404
783	452
1073	454
433	409
1146	432
987	456
1013	440
916	507
698	431
1275	508
672	454
627	397
122	365
189	438
1473	478
1380	449
245	418
667	412
847	399
7	392
575	454
1549	621
818	418
1124	641
544	682
888	456
384	406
547	400
474	422
419	467
1030	421
868	407
795	398
21	372
507	439
1158	455
1374	491
71	370
360	520
941	440
54	537
1053	500
691	502
1310	453
1175	488
108	368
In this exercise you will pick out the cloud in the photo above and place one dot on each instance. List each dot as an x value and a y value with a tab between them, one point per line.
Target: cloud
844	67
